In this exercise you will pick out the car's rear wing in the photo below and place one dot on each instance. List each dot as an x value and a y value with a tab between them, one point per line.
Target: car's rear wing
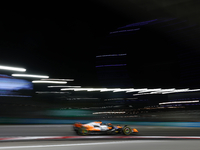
77	125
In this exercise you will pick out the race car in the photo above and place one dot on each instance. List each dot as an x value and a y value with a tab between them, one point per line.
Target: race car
97	127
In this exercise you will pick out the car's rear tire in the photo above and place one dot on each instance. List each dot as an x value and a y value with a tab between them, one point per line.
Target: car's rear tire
126	130
83	131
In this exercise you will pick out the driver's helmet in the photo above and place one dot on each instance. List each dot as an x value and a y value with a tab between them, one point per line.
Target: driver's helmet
109	124
99	122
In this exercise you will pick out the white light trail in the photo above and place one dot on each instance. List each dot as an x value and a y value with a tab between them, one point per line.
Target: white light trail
54	82
179	102
135	90
141	94
162	91
29	75
63	86
59	79
120	90
149	90
142	91
176	91
194	90
12	68
67	89
82	89
96	89
107	90
52	92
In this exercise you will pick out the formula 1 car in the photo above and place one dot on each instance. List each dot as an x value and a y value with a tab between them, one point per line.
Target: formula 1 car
98	128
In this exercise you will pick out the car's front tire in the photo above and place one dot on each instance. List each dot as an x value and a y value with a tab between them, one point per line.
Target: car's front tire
126	130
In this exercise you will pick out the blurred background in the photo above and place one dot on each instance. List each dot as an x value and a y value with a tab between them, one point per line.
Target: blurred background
145	53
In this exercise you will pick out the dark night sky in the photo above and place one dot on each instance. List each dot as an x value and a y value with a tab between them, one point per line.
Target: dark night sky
62	39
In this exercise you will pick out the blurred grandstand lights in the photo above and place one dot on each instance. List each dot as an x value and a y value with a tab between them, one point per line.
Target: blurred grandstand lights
54	82
29	75
12	68
179	102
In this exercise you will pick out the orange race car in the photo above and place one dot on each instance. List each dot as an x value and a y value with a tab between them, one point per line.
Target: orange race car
98	128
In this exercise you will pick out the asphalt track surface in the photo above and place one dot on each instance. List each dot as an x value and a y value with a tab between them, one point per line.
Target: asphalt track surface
103	144
97	144
67	130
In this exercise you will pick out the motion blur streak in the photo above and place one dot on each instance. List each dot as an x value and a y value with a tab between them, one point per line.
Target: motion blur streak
56	82
177	102
80	144
59	79
63	86
12	68
111	55
29	75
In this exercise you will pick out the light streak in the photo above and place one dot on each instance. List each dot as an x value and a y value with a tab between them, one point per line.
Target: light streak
54	82
114	65
12	68
179	102
138	24
53	92
29	75
163	90
120	90
135	90
67	89
128	30
111	55
176	91
82	89
96	89
149	90
63	86
59	79
107	90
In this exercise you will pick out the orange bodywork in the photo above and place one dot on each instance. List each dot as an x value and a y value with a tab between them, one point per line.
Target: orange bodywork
109	128
78	125
99	122
91	128
135	130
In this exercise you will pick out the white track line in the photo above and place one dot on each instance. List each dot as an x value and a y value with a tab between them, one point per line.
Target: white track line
96	137
80	144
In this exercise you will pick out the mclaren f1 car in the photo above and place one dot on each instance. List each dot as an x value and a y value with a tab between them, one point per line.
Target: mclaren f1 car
98	127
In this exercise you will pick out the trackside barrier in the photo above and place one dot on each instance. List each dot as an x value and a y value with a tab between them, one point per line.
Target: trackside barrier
5	120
